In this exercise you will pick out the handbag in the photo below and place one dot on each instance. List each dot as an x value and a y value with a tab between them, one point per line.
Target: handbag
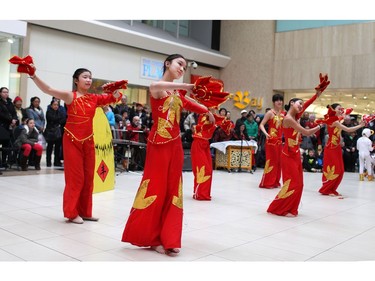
52	134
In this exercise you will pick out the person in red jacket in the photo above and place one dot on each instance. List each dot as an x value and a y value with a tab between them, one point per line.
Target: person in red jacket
79	149
155	218
137	132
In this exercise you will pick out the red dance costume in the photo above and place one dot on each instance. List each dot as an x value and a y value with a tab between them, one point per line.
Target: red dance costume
156	215
333	163
272	169
289	197
201	159
79	153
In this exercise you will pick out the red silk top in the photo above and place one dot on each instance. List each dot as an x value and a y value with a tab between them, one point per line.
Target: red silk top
334	137
292	141
81	111
166	114
204	129
275	128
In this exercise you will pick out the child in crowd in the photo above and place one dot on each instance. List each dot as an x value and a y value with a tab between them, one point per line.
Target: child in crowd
310	162
364	146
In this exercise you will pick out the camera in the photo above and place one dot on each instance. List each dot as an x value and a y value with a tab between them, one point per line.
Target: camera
193	64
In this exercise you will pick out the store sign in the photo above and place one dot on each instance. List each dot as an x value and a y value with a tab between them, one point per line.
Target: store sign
242	100
151	69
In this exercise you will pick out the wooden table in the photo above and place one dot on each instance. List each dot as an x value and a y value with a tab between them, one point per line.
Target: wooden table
236	156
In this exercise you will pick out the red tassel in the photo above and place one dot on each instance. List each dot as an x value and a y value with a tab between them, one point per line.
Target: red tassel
24	64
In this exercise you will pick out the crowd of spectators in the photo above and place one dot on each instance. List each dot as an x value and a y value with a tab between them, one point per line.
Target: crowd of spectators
133	122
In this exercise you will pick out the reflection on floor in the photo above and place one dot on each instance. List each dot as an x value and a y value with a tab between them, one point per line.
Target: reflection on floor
234	226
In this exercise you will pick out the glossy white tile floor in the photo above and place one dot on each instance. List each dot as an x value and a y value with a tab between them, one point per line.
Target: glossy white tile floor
234	226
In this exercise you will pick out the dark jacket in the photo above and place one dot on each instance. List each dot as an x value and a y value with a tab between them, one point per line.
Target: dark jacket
7	112
26	136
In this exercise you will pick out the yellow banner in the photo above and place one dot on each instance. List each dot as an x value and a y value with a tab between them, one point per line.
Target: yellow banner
104	174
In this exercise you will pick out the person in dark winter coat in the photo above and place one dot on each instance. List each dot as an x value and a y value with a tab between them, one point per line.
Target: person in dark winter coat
53	133
27	141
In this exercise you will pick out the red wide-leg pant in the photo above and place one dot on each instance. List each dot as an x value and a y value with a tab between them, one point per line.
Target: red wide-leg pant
79	165
201	161
156	216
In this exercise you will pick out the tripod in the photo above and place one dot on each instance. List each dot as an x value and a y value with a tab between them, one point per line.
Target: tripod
239	166
241	156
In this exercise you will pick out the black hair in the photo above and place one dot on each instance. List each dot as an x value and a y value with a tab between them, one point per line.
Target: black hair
170	58
221	109
287	106
77	73
277	97
2	88
54	100
334	105
123	111
28	120
32	100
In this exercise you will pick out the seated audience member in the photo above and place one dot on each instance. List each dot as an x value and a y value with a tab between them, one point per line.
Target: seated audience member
120	107
28	141
137	133
189	122
310	162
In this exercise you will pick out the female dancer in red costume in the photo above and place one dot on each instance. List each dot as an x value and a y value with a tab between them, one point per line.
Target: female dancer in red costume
201	159
333	163
79	149
287	200
273	118
155	219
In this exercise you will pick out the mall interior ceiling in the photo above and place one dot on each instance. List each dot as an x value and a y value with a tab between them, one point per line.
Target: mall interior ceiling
362	101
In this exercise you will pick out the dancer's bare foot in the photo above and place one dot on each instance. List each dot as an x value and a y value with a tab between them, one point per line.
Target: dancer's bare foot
290	215
172	252
335	194
77	220
160	249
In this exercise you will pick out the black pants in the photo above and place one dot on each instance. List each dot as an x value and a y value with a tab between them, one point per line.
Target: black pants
54	146
138	158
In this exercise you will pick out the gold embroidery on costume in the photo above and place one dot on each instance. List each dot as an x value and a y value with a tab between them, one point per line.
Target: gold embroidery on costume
177	201
173	105
201	178
273	132
163	125
336	136
294	142
267	167
81	102
277	120
140	202
283	192
330	173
